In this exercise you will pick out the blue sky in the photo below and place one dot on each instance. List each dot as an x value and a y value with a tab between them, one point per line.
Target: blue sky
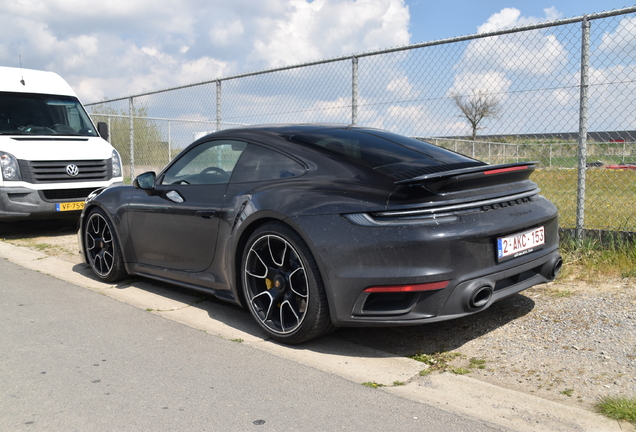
432	20
122	47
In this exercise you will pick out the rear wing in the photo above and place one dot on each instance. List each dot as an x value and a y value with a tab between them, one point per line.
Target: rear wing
473	177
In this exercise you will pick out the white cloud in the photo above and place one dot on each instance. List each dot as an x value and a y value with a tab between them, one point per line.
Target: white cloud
511	17
506	18
402	88
329	110
126	47
534	52
611	98
468	82
322	28
623	39
407	117
226	33
565	96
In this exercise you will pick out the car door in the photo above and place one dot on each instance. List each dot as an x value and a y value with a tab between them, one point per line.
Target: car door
176	225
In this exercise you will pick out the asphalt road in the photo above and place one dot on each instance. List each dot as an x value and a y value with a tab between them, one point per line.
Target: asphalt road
72	359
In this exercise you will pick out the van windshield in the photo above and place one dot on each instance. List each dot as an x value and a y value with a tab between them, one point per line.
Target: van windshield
40	114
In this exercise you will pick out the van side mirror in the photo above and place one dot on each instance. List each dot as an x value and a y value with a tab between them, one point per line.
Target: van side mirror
102	130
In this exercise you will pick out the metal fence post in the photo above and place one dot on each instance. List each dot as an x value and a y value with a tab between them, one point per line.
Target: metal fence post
169	143
354	90
582	153
131	109
218	105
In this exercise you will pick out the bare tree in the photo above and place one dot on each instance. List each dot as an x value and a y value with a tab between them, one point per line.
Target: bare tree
476	107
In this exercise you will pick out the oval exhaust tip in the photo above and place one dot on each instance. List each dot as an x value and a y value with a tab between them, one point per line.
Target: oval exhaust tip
480	297
556	268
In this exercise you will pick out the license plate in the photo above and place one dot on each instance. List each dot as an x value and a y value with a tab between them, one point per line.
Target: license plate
520	244
69	206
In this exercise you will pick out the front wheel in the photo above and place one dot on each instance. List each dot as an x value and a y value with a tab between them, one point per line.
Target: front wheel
282	285
102	248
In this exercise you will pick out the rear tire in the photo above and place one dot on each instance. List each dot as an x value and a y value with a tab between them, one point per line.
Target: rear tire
282	285
102	247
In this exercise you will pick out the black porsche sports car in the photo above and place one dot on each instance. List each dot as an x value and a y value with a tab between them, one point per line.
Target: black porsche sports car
312	227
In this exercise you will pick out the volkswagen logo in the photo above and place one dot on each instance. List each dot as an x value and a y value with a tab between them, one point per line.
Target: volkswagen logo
72	170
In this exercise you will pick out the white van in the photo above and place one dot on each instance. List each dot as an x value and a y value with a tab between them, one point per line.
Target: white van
51	154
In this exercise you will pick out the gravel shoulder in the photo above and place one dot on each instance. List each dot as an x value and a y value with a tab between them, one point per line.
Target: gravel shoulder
567	341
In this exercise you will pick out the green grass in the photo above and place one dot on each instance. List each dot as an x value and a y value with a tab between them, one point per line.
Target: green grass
477	363
610	194
609	197
618	408
437	362
593	261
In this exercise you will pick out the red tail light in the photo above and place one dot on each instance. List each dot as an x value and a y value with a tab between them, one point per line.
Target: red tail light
503	170
407	288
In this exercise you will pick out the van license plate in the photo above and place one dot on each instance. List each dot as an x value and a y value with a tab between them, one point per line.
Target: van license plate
520	244
69	206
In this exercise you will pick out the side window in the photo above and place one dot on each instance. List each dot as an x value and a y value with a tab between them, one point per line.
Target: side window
259	164
210	162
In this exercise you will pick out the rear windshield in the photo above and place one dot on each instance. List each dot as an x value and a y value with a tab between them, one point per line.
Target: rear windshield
38	114
376	149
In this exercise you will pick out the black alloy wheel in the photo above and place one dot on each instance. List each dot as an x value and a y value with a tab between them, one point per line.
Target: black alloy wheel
282	285
102	249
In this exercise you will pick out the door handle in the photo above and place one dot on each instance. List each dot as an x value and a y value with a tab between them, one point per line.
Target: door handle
206	214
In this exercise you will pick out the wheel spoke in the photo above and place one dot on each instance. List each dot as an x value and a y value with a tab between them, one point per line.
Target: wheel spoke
90	241
296	290
263	303
285	317
107	235
252	251
271	252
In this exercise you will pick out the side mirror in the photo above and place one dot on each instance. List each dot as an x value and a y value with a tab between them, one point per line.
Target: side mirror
145	181
102	130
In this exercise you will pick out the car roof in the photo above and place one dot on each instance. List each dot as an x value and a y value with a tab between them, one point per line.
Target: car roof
281	134
291	128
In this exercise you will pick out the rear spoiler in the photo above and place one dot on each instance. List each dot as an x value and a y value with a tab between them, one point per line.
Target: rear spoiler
473	177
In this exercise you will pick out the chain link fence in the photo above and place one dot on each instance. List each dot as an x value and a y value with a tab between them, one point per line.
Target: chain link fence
561	93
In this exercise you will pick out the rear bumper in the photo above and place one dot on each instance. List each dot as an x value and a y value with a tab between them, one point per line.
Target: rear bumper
462	253
469	295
